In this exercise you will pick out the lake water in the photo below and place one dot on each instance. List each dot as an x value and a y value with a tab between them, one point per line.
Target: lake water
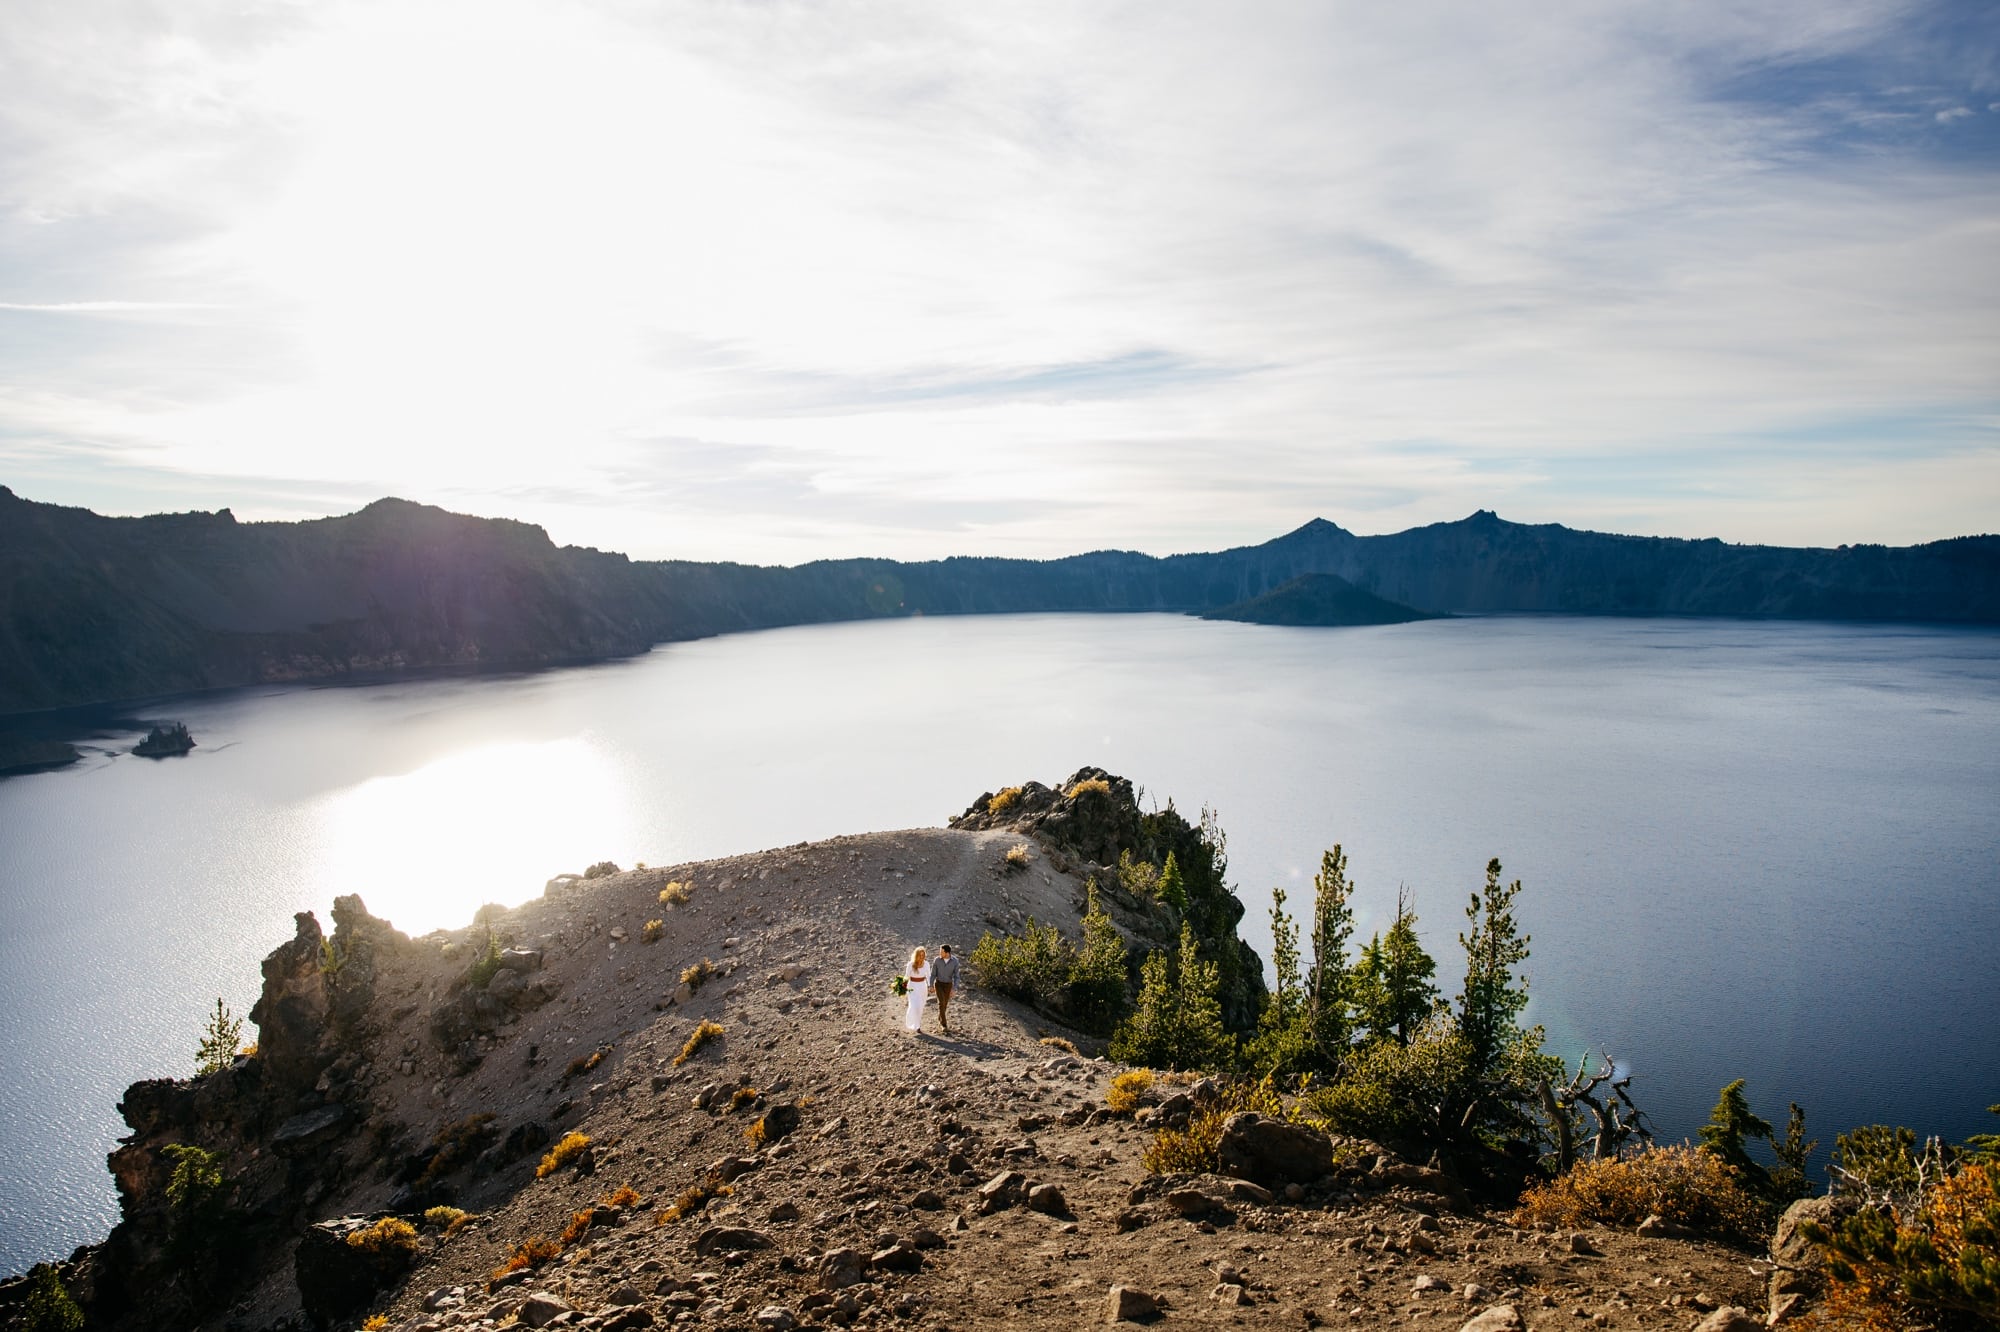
1757	850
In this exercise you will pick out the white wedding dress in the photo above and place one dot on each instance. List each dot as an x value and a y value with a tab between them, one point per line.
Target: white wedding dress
920	985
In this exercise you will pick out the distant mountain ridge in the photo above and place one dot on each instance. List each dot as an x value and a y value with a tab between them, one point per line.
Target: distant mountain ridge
96	609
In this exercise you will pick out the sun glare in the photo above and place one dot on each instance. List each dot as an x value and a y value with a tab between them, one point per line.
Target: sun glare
426	849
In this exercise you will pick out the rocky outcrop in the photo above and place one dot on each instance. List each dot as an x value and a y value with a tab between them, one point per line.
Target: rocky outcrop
1798	1266
1273	1153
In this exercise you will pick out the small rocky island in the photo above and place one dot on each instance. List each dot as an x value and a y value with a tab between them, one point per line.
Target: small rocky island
165	741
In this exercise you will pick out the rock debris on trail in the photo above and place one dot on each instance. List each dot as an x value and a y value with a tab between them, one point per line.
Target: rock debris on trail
825	1167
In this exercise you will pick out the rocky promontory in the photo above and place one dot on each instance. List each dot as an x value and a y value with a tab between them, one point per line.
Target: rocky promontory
686	1096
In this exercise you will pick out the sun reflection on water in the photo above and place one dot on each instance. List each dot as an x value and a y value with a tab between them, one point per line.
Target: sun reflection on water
426	849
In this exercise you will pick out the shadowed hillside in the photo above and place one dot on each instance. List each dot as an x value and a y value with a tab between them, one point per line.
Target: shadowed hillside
96	609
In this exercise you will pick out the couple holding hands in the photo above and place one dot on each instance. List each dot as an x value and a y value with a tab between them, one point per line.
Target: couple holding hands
924	974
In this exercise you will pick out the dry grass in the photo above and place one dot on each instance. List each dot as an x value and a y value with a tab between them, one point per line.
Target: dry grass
388	1235
578	1227
450	1220
1684	1185
1129	1090
1017	857
754	1135
623	1196
529	1254
1063	1043
652	931
702	1035
696	976
1090	786
1002	801
584	1063
676	894
374	1322
693	1199
562	1154
741	1097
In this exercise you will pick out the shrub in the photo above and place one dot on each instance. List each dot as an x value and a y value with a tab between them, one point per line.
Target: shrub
602	869
455	1144
486	966
652	931
741	1097
374	1322
1403	1094
390	1235
219	1040
1687	1186
560	1155
696	976
49	1306
754	1135
676	893
1196	1149
623	1196
448	1219
196	1182
1017	857
1002	801
1063	1043
1129	1090
578	1227
1934	1263
529	1254
1032	967
693	1199
1089	786
585	1063
707	1031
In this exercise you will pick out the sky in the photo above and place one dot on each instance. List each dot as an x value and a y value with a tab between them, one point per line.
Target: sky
770	281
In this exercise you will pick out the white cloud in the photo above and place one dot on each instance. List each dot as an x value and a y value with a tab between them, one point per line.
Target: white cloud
1385	263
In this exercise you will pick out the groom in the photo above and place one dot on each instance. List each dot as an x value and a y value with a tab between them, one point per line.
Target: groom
944	975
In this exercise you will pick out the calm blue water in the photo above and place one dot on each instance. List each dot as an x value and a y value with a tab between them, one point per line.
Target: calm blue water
1749	849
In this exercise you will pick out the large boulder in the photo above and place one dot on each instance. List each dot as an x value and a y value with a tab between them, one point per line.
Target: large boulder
1798	1275
340	1265
1273	1153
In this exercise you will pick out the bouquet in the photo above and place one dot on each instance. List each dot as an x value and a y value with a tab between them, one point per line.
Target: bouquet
899	986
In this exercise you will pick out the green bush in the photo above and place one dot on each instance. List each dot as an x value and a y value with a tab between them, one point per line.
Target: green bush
1932	1262
486	966
49	1307
1033	966
1403	1094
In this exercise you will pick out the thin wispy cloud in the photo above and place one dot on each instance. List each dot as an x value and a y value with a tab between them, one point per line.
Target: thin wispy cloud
1696	269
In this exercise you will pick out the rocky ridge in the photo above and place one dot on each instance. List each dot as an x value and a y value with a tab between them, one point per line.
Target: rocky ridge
812	1164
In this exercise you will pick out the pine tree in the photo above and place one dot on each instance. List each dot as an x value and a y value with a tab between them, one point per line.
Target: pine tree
1327	1006
1173	888
1729	1124
218	1041
1391	983
1493	997
1282	1041
1177	1020
1097	979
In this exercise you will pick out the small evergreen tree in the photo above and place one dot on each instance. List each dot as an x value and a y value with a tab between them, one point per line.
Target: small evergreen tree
1788	1180
1729	1125
1176	1022
1493	998
1283	1042
1173	888
1327	1007
219	1040
1391	983
1097	980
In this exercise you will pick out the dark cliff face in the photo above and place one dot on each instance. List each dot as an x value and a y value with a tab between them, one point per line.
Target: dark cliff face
96	609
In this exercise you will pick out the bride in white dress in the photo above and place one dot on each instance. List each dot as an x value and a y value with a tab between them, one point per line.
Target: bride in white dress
919	981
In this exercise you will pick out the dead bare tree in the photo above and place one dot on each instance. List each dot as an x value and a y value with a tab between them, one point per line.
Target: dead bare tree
1608	1097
